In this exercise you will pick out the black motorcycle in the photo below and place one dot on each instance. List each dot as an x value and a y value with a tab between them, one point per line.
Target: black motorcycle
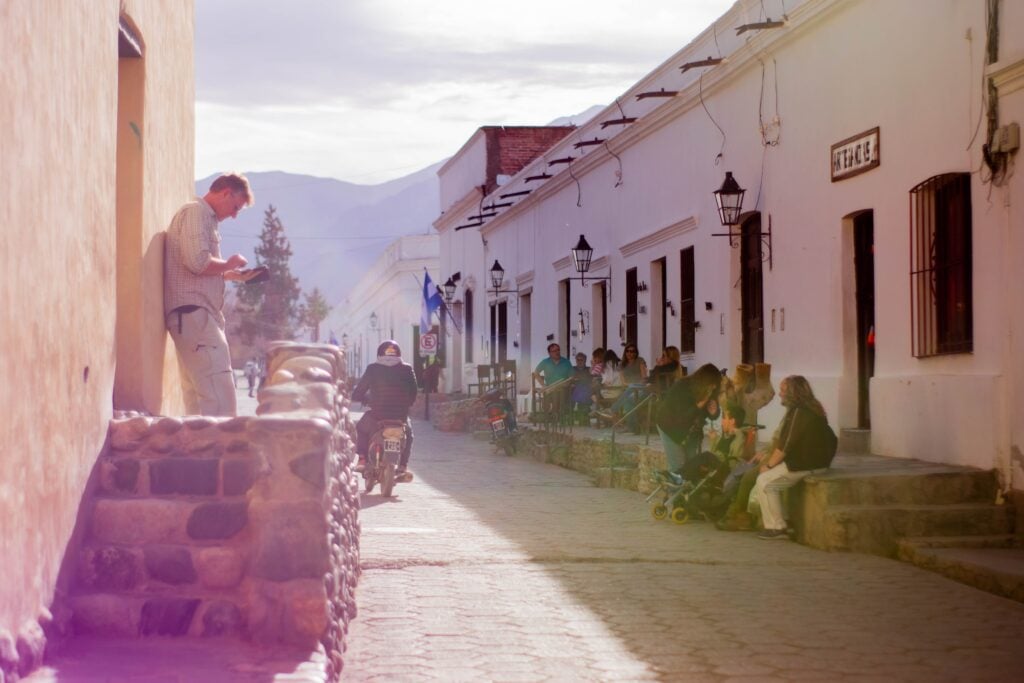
383	456
501	416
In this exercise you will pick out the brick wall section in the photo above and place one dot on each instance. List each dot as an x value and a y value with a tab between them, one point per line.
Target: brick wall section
511	148
245	527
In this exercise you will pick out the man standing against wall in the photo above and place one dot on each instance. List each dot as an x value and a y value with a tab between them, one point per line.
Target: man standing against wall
194	275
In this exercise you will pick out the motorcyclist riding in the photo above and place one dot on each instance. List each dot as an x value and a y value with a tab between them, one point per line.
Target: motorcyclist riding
391	386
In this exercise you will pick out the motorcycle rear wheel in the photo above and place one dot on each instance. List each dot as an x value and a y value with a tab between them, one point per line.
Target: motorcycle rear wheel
370	469
387	479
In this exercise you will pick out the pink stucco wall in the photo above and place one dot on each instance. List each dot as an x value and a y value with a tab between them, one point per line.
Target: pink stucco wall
59	259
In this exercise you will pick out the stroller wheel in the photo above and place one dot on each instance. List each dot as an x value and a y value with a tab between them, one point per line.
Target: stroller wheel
659	511
680	515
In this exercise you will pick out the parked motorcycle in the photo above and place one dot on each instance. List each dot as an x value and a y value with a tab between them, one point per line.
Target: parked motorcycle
501	416
383	456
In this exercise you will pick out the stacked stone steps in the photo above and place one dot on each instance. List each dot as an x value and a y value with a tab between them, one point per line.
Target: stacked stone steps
870	508
992	563
216	527
927	486
165	545
877	529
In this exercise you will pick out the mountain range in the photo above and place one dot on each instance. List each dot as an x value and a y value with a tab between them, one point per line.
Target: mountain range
338	229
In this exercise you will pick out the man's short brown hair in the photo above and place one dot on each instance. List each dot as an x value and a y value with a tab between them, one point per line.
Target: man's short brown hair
236	182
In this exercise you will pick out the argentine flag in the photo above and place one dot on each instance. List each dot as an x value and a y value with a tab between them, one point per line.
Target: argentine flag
431	302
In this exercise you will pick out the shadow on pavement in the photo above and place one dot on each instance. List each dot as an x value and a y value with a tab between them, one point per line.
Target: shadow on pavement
173	660
681	596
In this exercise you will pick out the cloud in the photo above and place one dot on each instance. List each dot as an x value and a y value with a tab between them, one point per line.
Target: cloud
348	88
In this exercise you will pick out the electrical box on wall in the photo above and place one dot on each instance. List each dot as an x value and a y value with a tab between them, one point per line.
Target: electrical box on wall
1007	138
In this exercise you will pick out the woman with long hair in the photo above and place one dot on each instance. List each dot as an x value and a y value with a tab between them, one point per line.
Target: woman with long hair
634	367
803	443
666	371
682	410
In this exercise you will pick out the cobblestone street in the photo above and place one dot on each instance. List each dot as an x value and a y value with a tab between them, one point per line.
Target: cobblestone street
491	568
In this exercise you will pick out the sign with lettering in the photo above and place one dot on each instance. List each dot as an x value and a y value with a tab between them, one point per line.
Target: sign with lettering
855	155
428	344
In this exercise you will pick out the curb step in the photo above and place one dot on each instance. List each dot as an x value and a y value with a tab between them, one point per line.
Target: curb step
994	564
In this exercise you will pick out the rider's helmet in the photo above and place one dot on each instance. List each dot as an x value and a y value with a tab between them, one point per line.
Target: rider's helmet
389	353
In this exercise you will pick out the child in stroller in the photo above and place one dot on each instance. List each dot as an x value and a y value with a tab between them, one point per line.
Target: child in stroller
701	489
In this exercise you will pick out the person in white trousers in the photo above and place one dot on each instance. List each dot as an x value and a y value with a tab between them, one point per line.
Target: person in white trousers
797	450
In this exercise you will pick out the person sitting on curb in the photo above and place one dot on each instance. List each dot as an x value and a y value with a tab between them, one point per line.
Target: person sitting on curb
735	447
666	371
610	380
804	443
552	370
582	390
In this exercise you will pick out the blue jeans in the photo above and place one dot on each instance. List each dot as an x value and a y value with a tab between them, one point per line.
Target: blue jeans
675	456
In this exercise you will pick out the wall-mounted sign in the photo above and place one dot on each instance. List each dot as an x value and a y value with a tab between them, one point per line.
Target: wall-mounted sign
855	155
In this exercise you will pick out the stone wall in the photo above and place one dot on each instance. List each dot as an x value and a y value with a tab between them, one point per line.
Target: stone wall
242	527
461	415
619	465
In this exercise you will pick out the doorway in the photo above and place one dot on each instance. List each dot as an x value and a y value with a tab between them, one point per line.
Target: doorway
659	302
632	305
752	290
864	278
525	332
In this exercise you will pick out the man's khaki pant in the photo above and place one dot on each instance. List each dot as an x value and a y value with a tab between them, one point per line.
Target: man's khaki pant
205	363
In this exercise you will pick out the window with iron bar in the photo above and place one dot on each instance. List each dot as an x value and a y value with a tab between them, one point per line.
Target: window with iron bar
940	266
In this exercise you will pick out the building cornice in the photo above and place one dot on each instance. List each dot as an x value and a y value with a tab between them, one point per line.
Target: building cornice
658	236
743	58
458	211
1008	74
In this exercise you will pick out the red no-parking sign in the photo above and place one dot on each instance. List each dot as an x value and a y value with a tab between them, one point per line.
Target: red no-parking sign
428	344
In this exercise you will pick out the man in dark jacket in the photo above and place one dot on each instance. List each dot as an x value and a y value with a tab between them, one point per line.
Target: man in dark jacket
389	387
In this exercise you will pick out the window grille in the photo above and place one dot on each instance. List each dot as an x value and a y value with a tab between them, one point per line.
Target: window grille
940	266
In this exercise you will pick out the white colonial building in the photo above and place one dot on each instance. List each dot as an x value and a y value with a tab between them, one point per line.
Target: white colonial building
878	246
386	302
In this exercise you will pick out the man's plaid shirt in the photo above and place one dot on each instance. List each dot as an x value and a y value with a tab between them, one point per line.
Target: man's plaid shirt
192	240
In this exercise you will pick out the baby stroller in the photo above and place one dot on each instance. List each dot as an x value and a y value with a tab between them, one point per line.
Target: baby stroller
697	492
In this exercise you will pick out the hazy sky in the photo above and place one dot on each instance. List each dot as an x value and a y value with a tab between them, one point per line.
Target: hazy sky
369	90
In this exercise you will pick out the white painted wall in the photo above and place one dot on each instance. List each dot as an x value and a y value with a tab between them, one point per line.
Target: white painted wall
464	171
840	68
391	289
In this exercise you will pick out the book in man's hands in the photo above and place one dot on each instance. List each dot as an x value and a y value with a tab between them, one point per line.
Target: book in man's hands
252	276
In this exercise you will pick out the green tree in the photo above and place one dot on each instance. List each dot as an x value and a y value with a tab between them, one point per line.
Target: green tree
313	312
269	309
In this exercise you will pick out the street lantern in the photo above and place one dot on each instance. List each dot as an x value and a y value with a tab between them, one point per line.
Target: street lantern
344	340
582	256
497	275
582	253
729	198
449	291
373	320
